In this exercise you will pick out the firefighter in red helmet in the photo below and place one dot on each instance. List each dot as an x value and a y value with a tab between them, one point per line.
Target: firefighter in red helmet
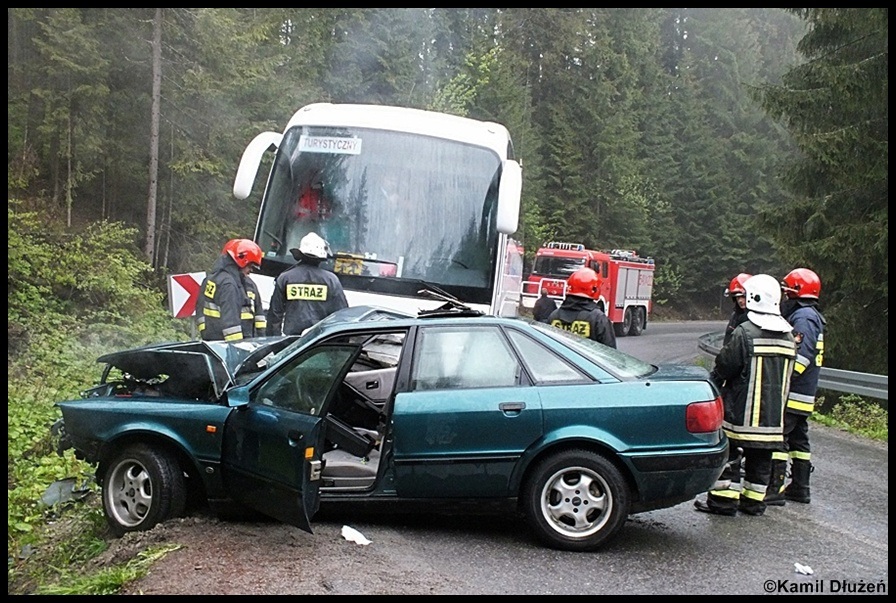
229	305
736	292
802	287
579	311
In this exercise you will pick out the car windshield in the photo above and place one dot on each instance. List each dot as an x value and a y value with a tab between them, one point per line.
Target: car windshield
619	363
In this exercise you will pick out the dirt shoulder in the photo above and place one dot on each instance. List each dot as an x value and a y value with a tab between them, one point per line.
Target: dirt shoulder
267	558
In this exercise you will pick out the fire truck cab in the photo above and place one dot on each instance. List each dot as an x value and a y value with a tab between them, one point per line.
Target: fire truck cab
626	281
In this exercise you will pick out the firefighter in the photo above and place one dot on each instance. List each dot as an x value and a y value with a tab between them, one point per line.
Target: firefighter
735	291
305	293
255	323
753	374
802	288
226	309
579	312
544	305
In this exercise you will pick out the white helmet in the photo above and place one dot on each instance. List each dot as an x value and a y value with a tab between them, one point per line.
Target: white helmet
763	293
314	246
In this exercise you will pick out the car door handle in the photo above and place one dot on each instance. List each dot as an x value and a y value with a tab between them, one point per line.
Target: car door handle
512	407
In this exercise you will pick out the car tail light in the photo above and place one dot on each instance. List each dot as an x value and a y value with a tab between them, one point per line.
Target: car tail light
704	417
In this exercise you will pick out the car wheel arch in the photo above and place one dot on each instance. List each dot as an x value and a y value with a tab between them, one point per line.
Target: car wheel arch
156	441
533	457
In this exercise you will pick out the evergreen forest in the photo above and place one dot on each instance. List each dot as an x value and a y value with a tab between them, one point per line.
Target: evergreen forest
716	141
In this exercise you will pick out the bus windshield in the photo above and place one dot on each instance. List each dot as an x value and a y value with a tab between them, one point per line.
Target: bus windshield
397	209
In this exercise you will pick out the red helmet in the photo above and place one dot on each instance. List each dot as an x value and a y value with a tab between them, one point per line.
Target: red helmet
584	282
802	282
736	287
244	252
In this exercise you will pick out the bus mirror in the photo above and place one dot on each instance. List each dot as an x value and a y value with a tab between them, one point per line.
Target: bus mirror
509	197
251	159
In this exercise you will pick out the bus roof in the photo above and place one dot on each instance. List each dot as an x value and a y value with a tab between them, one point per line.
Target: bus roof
405	119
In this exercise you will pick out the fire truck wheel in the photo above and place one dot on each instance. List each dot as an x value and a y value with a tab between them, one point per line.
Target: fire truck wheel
619	329
637	322
627	320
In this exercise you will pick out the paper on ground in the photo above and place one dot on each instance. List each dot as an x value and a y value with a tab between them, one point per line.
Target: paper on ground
353	535
803	569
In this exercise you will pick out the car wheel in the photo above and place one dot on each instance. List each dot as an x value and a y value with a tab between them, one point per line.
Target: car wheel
576	500
637	322
142	488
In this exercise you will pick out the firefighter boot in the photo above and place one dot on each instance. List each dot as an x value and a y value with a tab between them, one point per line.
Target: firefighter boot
798	488
774	496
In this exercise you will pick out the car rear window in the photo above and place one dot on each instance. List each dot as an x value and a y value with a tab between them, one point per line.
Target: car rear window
614	361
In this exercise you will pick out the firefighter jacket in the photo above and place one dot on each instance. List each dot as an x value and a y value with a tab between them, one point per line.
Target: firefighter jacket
808	331
222	302
544	305
753	372
303	295
254	320
583	316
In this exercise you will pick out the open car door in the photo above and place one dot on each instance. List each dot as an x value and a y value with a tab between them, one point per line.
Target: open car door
275	438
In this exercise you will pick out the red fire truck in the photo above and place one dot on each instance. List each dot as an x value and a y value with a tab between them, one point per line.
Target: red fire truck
627	281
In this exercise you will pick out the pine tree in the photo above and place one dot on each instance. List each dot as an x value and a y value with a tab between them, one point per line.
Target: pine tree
835	104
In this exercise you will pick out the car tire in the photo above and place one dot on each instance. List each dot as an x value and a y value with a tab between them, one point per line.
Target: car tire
142	487
576	500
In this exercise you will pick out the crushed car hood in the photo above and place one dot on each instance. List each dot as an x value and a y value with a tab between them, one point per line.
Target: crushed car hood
191	367
203	369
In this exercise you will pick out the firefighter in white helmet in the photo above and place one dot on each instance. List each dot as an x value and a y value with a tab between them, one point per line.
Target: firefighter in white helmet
752	372
305	293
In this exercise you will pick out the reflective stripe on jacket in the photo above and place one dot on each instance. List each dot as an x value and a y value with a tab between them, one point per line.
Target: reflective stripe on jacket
583	316
808	329
221	302
252	317
303	295
753	370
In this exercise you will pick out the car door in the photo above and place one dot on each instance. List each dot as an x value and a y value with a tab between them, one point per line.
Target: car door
274	443
468	417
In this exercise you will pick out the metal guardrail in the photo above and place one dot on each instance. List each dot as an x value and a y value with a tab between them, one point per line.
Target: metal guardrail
848	382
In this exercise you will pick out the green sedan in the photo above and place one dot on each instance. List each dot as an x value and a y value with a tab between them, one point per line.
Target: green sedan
442	412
